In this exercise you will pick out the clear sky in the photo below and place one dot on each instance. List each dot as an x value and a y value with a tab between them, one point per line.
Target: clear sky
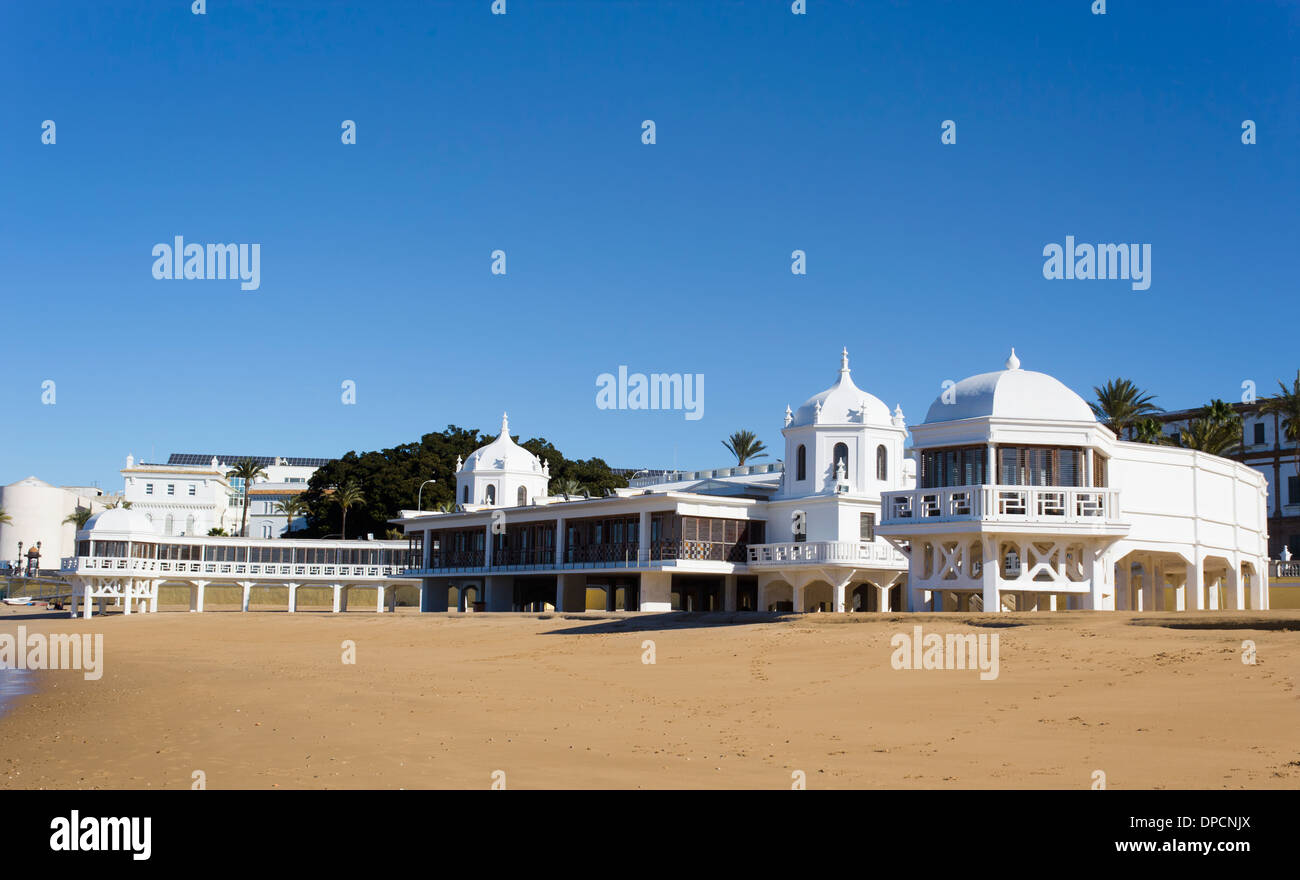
523	132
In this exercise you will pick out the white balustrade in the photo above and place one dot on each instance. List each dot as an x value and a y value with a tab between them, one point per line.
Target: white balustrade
1045	504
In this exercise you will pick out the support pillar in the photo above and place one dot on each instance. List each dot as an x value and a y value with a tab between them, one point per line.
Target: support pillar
571	592
338	598
1123	586
882	598
1235	593
728	591
247	587
656	591
1215	585
128	593
992	601
196	598
379	599
293	597
87	601
1194	591
837	595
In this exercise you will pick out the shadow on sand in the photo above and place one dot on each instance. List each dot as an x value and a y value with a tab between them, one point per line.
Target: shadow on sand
668	620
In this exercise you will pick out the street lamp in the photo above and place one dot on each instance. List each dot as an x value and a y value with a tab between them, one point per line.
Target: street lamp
419	498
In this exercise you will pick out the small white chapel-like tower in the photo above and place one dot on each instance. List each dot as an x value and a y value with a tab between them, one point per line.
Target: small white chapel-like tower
501	474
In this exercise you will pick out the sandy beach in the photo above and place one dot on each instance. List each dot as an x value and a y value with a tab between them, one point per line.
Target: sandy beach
264	700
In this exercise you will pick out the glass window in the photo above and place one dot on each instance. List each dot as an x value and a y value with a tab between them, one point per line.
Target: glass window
801	463
882	463
148	488
1259	433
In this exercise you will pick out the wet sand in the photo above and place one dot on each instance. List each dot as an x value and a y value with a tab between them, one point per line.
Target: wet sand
263	700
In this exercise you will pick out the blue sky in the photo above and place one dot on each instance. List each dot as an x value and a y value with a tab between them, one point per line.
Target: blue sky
522	132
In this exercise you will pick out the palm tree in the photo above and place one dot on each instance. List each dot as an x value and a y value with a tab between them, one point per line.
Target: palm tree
745	445
1209	435
78	517
566	486
1286	405
347	495
217	533
291	507
5	519
118	502
1120	404
248	470
1149	430
445	507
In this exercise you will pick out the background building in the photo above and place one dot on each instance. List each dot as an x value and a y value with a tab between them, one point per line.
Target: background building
38	511
190	494
1265	448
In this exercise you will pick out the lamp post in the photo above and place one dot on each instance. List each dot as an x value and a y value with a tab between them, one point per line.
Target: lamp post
419	498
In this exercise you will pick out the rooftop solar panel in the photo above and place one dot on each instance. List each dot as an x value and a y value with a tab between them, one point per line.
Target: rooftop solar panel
189	458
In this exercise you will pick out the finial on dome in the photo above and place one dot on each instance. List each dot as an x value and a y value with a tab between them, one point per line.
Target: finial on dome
898	415
459	464
1013	362
505	426
789	416
844	360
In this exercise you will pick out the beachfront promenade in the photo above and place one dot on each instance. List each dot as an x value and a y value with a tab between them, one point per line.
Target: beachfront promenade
119	560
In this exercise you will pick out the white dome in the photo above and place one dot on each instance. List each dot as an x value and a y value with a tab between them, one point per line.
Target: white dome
1012	393
842	403
119	519
30	481
503	454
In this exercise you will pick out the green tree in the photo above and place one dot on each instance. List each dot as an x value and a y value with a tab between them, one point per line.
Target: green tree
391	478
5	519
565	486
78	517
292	508
1286	406
1149	430
118	502
1121	404
348	495
745	445
1217	430
248	470
217	533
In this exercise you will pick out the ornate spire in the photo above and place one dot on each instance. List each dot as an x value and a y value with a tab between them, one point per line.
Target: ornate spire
459	464
844	361
505	426
789	416
1013	362
898	415
817	412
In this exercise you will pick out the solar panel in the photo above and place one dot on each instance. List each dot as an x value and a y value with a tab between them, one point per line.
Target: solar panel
189	458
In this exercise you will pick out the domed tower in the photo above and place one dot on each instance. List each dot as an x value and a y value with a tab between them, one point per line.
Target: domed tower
844	441
501	474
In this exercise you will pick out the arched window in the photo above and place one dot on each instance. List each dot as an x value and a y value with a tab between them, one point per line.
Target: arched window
801	464
168	525
464	495
840	454
490	495
189	525
266	530
522	498
882	463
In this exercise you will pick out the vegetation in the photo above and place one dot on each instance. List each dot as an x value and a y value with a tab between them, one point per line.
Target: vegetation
390	479
1121	405
217	533
292	508
118	502
78	517
1217	430
745	445
5	519
247	470
345	496
1286	406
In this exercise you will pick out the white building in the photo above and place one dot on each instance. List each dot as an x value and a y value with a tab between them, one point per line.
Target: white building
745	538
1012	466
1025	501
191	495
38	511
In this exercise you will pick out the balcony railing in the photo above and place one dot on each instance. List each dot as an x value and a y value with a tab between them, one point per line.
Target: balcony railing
1035	504
1279	569
826	552
626	554
135	566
